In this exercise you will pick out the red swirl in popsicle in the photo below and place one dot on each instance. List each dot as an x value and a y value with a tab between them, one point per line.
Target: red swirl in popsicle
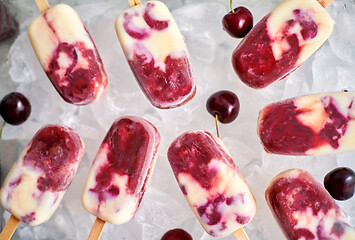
211	183
157	54
38	180
309	125
121	170
281	42
68	55
304	209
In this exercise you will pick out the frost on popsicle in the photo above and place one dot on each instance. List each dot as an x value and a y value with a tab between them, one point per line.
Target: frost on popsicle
157	54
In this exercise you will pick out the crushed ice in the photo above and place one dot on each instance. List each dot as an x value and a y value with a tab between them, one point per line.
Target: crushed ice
163	206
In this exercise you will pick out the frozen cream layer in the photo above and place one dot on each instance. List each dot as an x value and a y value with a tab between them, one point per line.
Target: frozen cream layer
121	170
68	55
157	54
211	183
304	209
38	180
281	42
309	125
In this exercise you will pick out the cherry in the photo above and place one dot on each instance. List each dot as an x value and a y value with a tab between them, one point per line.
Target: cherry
224	104
176	234
15	108
8	25
238	21
340	183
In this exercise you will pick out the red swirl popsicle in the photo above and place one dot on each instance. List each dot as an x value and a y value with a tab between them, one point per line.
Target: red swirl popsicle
212	184
67	54
309	125
156	53
304	209
120	172
38	180
281	42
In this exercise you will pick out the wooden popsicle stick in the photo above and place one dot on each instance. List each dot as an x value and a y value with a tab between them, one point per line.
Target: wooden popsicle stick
133	3
96	229
9	228
325	3
42	5
240	234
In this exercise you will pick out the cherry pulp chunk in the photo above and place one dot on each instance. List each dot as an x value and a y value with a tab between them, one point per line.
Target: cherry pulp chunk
57	151
298	196
282	132
81	86
254	61
128	144
193	153
162	87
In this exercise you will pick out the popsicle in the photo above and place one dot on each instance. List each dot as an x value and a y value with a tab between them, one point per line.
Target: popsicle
120	172
38	180
304	209
282	41
67	54
212	184
156	53
309	125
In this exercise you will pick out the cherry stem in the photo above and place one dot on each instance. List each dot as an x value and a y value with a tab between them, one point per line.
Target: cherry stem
217	124
230	3
2	128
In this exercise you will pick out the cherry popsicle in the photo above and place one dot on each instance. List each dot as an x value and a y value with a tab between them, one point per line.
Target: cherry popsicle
120	172
38	180
304	209
67	53
156	53
309	125
224	107
282	41
211	183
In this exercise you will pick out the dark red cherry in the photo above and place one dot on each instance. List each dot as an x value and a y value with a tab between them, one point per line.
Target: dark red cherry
224	104
238	22
15	108
176	234
340	183
8	25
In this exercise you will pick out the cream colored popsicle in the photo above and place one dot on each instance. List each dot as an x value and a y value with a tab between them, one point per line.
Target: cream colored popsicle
38	180
212	184
156	53
121	170
304	209
67	54
282	41
309	125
